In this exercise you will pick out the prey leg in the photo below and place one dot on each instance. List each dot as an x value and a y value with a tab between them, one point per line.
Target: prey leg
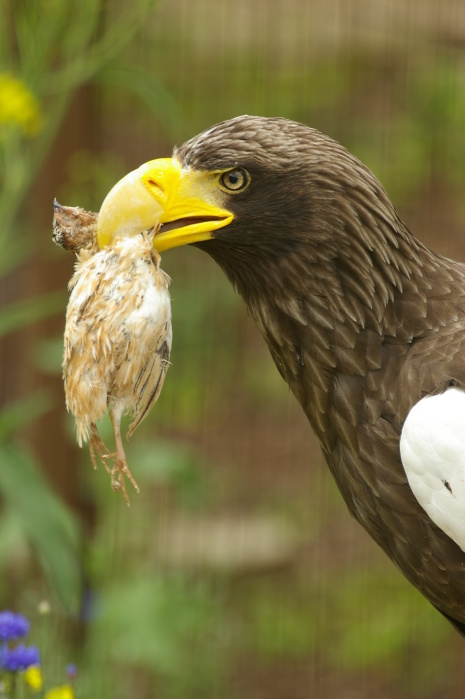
96	445
120	466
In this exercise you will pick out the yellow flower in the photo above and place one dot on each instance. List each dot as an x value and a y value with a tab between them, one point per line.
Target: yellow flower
18	106
63	692
33	677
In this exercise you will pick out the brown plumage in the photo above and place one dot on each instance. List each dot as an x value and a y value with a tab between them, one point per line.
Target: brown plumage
74	228
361	319
117	335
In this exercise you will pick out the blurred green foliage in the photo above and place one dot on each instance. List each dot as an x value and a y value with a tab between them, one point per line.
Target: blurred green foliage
48	525
163	623
48	49
382	639
425	134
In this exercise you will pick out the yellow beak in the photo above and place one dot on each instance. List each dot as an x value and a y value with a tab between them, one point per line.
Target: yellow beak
184	201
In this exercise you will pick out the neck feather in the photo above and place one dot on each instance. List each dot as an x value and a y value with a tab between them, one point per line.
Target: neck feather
327	300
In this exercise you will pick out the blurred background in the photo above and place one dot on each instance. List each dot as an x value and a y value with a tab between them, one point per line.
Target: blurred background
237	571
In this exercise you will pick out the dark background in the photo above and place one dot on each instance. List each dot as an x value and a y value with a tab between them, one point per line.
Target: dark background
237	572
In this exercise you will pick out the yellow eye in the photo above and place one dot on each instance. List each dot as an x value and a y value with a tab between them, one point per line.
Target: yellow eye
234	180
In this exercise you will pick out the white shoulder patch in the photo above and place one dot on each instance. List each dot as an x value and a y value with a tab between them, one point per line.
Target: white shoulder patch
432	450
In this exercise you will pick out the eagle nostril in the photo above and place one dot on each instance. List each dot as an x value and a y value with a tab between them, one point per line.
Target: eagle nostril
154	186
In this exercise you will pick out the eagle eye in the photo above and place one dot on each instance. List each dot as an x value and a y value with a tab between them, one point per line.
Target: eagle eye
234	180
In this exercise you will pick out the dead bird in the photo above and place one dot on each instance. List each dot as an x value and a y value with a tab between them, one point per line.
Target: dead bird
118	334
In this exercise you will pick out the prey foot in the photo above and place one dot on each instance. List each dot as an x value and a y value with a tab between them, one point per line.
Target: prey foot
119	469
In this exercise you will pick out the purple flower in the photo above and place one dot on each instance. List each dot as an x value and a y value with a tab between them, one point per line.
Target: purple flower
12	626
19	658
71	671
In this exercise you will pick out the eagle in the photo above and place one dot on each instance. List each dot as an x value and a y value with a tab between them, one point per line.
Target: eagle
364	323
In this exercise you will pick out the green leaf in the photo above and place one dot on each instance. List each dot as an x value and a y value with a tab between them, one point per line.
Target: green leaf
48	524
22	411
156	621
18	315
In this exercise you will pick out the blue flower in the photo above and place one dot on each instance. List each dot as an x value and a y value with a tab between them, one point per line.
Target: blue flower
19	658
12	626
